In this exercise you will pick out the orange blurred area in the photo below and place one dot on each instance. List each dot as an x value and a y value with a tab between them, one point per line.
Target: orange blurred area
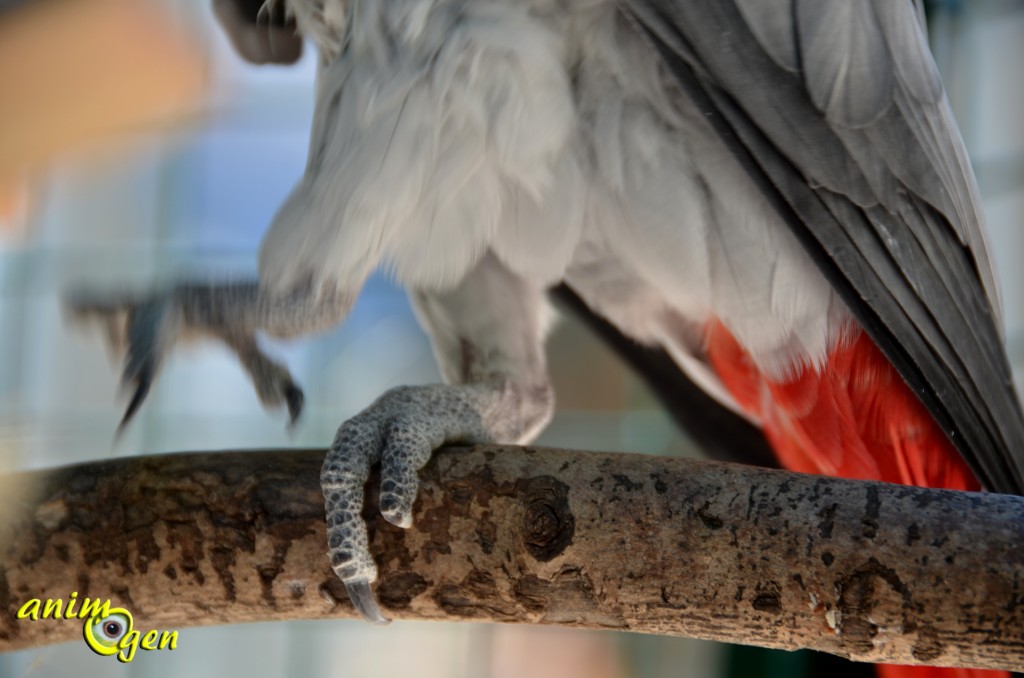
74	71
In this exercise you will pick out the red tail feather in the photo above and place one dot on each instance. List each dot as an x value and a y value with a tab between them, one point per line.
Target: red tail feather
895	671
854	417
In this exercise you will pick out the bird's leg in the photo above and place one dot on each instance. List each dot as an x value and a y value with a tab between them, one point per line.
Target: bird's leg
488	336
144	330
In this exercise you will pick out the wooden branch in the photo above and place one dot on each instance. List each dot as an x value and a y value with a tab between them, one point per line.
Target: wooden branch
870	571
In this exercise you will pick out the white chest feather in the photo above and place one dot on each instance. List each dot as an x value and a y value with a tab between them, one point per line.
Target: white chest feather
448	128
443	129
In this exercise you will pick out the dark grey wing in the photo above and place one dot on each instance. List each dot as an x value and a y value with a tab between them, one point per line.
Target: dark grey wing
836	110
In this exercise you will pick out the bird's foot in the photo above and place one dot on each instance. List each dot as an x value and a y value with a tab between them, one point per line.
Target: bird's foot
400	430
142	331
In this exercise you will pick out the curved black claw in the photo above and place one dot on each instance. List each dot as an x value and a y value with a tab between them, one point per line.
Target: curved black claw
147	327
361	595
143	381
294	398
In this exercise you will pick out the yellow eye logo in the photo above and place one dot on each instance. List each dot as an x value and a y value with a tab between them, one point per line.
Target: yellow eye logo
103	634
108	631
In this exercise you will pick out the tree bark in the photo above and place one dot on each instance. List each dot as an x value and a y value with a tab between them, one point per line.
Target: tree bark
870	571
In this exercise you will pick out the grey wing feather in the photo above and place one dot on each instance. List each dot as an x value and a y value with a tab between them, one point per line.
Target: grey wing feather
845	60
772	22
837	112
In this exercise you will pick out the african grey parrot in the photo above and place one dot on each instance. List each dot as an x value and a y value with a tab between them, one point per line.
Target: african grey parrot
772	191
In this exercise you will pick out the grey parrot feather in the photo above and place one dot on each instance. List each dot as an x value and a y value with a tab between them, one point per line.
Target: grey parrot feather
858	152
845	60
772	23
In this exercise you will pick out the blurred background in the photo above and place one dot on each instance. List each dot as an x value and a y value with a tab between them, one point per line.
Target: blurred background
163	155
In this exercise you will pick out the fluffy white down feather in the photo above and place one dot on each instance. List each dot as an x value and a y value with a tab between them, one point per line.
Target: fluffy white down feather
551	137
